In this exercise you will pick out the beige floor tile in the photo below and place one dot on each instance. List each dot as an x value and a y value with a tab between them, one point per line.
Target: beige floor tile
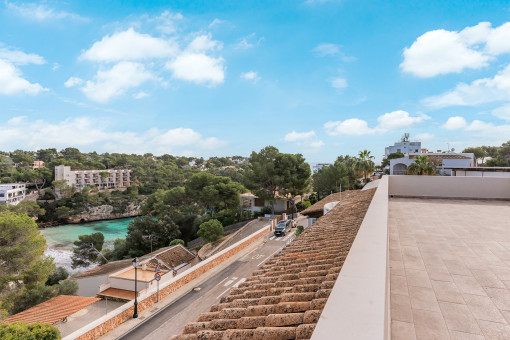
447	291
474	262
402	330
429	325
483	308
418	278
487	278
395	255
455	335
423	298
494	330
506	315
401	308
456	267
458	317
397	268
431	258
468	285
502	272
398	285
500	297
412	258
439	273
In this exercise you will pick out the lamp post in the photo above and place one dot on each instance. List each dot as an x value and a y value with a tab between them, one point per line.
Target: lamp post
135	264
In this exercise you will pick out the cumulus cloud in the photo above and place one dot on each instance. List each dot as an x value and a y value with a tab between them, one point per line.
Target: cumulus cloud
250	75
41	12
12	82
17	57
166	22
73	81
85	132
198	68
216	22
502	112
326	49
353	126
398	120
339	83
129	45
116	81
317	144
489	129
480	91
298	136
441	51
454	123
305	139
204	43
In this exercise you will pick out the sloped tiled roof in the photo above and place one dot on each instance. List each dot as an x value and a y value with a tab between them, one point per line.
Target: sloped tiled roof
53	310
319	206
285	297
118	293
172	257
105	269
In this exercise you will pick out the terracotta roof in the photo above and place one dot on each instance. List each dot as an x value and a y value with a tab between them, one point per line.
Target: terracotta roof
319	206
172	257
118	293
53	310
284	298
105	269
442	156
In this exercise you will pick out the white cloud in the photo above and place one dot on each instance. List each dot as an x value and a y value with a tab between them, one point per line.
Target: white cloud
502	112
454	123
245	42
140	95
129	45
441	52
317	144
398	120
353	126
325	49
216	22
250	75
198	68
17	57
298	136
423	137
498	39
73	81
166	22
204	43
339	83
480	91
116	81
85	132
488	129
40	12
11	81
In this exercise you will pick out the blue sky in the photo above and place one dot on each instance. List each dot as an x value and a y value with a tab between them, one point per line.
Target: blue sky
204	78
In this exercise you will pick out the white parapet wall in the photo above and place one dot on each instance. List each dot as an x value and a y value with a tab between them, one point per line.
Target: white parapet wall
450	187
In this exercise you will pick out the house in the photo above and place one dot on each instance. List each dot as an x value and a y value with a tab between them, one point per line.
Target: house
481	171
116	279
252	203
93	178
12	193
444	162
36	165
318	209
404	146
319	166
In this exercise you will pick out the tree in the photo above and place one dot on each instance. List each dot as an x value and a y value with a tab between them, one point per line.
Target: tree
295	174
46	155
58	275
33	331
63	212
479	152
330	179
421	166
30	208
61	189
176	242
87	250
211	230
39	177
394	155
364	164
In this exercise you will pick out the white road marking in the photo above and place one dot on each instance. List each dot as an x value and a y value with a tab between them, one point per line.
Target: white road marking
280	249
239	282
229	282
219	283
273	237
226	290
257	256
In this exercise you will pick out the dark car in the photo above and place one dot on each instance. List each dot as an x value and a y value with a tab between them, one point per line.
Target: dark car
282	227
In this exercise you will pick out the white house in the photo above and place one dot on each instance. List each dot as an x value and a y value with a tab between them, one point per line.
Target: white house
404	146
444	162
93	178
319	166
255	204
12	193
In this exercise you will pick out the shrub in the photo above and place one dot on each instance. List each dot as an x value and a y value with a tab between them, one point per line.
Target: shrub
176	242
23	331
211	230
58	275
299	230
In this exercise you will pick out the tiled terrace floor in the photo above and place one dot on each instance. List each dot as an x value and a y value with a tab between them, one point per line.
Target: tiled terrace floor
450	269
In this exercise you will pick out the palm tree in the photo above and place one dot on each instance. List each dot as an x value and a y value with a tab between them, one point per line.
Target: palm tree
421	166
364	164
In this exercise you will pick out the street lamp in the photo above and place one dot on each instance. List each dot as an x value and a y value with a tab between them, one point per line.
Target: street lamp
135	265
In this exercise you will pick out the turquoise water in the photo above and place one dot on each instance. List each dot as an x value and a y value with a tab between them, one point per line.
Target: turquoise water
63	236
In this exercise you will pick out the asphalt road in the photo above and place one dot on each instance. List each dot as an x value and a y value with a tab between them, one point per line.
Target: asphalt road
172	319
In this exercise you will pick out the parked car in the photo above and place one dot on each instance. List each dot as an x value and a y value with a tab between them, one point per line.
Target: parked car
282	227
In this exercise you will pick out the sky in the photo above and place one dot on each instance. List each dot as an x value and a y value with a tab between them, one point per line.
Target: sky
217	78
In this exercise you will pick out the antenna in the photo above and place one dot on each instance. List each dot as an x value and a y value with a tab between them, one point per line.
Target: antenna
405	137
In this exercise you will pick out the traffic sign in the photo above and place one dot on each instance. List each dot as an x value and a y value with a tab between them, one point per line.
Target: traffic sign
157	276
158	270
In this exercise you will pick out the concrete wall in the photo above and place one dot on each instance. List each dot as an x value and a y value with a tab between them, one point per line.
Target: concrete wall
482	173
89	286
127	284
148	298
450	187
358	307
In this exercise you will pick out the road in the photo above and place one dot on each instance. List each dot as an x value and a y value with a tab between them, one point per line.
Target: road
172	319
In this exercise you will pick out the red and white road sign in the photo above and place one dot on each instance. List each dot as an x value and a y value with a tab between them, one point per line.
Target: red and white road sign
158	270
157	276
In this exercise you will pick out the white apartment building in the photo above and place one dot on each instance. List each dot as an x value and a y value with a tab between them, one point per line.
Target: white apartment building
319	166
404	146
445	162
93	178
12	193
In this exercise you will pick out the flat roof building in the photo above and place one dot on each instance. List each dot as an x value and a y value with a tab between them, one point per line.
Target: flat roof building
103	179
12	193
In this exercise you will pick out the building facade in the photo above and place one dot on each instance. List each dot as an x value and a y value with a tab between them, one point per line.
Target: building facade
12	193
404	146
102	179
319	166
444	162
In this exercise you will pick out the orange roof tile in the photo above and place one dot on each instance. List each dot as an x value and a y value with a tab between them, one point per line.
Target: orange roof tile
53	310
285	297
319	206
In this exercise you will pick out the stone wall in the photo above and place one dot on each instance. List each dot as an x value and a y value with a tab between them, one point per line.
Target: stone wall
105	212
179	281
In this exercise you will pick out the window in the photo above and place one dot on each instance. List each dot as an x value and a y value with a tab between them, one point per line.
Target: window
259	202
2	195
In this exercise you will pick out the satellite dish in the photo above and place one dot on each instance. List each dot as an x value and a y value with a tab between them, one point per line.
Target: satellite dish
453	149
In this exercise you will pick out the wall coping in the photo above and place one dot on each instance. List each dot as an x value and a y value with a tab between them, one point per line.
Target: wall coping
152	290
357	307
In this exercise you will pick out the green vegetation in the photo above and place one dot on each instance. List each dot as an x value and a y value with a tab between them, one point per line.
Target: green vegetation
386	161
299	230
211	230
497	155
23	331
87	250
339	176
364	164
421	166
176	242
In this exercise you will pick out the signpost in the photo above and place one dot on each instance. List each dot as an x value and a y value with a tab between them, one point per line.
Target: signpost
157	277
